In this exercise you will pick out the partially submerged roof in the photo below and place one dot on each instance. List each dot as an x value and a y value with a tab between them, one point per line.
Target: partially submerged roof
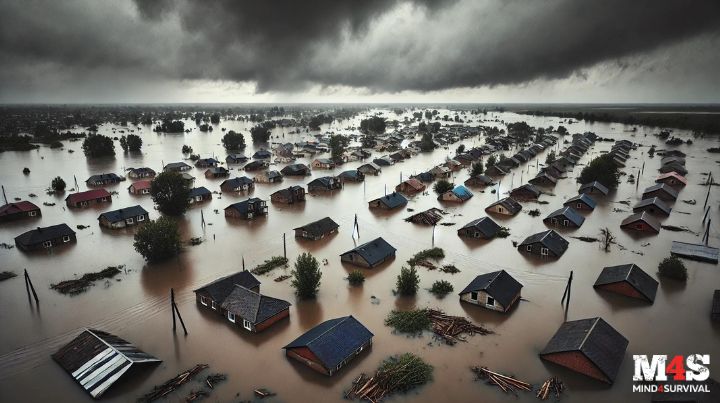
672	174
498	284
253	306
461	192
391	201
568	213
123	213
199	191
96	360
79	197
374	251
219	289
486	225
319	227
595	339
550	239
582	197
693	251
42	234
644	217
334	340
662	188
509	203
17	207
631	273
594	185
653	201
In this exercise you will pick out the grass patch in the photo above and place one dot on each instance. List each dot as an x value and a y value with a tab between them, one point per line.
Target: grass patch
81	284
434	253
268	265
414	321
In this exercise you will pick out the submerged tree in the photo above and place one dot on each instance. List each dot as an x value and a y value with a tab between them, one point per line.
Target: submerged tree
426	142
606	238
98	145
338	144
602	169
158	240
550	157
171	193
408	281
260	134
131	142
491	161
442	186
673	267
186	149
233	141
477	169
306	276
375	124
58	184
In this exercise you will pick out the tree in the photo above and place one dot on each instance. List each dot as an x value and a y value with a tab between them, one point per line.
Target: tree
407	281
602	169
426	142
477	169
442	186
131	142
375	124
318	120
306	276
338	143
460	149
606	238
98	145
550	157
260	134
186	149
171	126
58	184
233	141
491	161
673	267
215	118
171	193
441	288
158	240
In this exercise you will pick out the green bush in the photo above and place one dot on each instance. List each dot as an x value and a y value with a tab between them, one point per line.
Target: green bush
269	265
673	267
413	321
442	186
407	281
233	141
98	145
441	288
306	276
58	184
171	193
433	253
602	169
356	277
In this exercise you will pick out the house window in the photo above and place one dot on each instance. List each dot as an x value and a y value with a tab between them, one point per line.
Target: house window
47	244
204	301
32	213
528	248
474	295
247	325
579	205
83	204
477	234
66	238
129	221
231	317
213	304
141	218
544	251
566	223
501	210
490	301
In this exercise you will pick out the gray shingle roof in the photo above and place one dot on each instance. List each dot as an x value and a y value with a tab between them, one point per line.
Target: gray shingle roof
509	203
659	204
40	234
597	185
485	225
644	217
320	227
199	191
374	251
550	239
582	197
124	213
393	200
568	213
222	287
253	306
498	284
633	275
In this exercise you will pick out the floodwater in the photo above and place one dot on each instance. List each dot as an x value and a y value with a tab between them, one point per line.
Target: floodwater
137	307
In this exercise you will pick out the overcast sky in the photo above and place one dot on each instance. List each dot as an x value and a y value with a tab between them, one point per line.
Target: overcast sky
75	51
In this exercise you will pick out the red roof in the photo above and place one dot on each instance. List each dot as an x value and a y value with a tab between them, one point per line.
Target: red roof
87	196
672	174
146	184
19	207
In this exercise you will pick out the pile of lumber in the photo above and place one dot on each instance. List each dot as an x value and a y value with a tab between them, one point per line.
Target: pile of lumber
552	386
452	328
193	396
396	374
214	379
506	383
173	384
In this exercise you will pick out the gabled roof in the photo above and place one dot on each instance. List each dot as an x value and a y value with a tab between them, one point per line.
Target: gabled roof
663	188
568	213
262	154
550	239
320	227
324	181
294	168
123	213
75	198
334	340
374	251
370	165
509	203
176	165
219	289
96	360
199	191
498	284
288	191
252	306
103	178
414	183
596	185
543	175
217	170
482	179
242	207
143	184
352	173
654	201
528	187
206	161
393	200
462	193
486	225
237	182
672	174
582	197
42	234
596	339
17	207
644	217
635	276
142	170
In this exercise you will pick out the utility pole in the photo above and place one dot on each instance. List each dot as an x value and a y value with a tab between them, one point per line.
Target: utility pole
4	196
29	287
175	311
284	247
564	301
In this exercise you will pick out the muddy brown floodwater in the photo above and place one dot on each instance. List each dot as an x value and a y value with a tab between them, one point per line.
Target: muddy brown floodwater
137	307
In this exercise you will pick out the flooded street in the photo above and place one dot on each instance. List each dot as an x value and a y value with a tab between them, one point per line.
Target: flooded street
135	305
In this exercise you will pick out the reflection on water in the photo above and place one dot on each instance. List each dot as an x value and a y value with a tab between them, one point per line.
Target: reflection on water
135	305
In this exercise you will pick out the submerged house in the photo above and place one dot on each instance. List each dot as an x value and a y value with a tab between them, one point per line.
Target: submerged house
262	155
459	194
140	187
370	254
642	222
199	194
141	173
581	202
206	163
216	172
18	211
236	159
352	175
389	202
322	163
317	230
672	179
268	177
123	217
546	244
497	291
430	216
248	209
324	183
484	228
213	294
45	238
256	165
96	360
495	170
652	206
370	168
479	181
104	179
85	199
240	184
290	195
525	192
506	206
628	280
329	346
177	167
296	170
410	186
594	188
661	191
588	346
564	217
543	179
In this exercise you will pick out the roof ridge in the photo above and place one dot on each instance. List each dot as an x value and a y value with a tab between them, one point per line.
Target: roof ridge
588	333
343	319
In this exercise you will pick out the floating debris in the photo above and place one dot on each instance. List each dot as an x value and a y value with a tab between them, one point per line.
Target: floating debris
48	204
172	384
534	213
588	239
214	379
6	275
446	327
551	386
504	382
447	224
263	393
6	245
677	229
269	265
77	286
396	374
195	241
81	227
424	255
282	278
691	202
193	396
450	269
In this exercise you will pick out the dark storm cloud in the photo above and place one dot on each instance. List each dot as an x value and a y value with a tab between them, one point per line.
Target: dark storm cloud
382	45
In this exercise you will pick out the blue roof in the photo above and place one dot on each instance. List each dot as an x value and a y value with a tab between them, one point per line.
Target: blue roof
583	197
393	200
124	213
462	192
334	340
374	251
201	191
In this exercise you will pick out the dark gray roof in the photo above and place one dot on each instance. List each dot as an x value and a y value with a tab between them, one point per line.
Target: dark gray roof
486	225
550	239
294	169
320	227
237	182
663	187
643	216
374	251
104	177
218	170
716	303
528	187
222	287
242	206
288	191
596	339
393	200
176	165
200	191
123	213
324	181
509	203
334	340
597	185
253	306
568	213
42	234
659	204
582	197
498	284
635	276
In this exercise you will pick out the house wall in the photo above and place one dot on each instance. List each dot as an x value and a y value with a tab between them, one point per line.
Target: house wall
535	249
472	232
305	356
559	221
577	362
639	226
622	288
578	206
56	242
231	212
20	215
659	194
272	320
499	210
482	301
355	259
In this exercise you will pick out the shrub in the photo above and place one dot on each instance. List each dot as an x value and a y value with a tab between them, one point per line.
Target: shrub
407	281
158	240
171	193
356	277
98	145
186	149
270	264
477	169
433	253
306	276
131	142
58	184
441	288
673	267
442	186
414	321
